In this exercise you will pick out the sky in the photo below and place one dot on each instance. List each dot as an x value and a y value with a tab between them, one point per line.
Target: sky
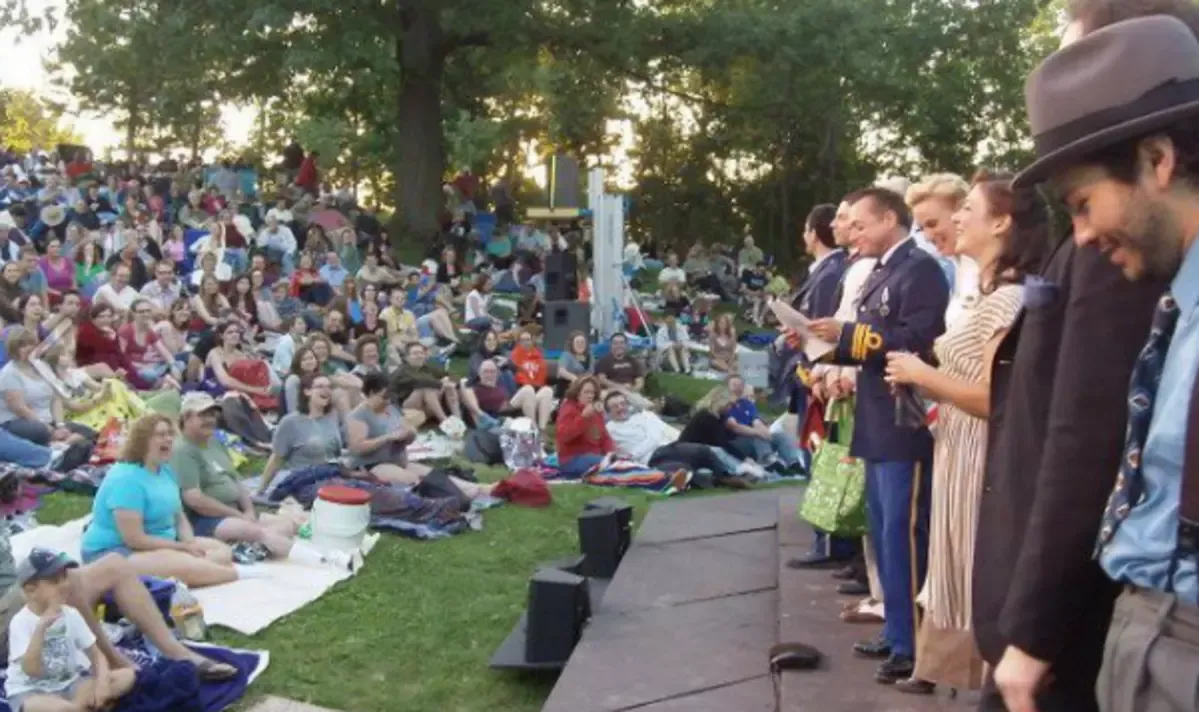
21	59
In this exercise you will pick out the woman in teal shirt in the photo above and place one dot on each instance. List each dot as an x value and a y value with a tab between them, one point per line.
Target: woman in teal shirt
138	514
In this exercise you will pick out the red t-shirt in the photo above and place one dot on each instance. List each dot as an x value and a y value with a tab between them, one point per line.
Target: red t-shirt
493	400
138	354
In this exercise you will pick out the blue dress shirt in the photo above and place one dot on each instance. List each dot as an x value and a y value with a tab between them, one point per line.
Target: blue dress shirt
1141	550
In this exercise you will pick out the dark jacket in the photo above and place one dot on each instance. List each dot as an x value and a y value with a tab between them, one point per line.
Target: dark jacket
902	309
1059	386
407	380
818	297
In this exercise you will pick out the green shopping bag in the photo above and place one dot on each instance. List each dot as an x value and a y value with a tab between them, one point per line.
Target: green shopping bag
835	501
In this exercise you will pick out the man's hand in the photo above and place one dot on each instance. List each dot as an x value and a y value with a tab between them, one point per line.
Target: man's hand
826	329
1019	677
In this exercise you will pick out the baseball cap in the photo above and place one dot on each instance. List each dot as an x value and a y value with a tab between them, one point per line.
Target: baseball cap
197	402
43	563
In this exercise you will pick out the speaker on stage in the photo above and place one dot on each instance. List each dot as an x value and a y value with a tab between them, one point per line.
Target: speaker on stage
559	606
561	276
624	520
600	542
560	319
564	183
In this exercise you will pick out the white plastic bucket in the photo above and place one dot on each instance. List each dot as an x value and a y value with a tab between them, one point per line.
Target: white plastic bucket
337	525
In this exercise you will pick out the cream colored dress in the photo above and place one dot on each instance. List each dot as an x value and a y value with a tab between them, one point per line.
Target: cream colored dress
945	651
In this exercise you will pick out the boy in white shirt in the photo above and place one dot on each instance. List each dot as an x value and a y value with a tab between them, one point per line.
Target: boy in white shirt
53	662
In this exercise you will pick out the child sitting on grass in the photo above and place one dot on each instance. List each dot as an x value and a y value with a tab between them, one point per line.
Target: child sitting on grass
53	662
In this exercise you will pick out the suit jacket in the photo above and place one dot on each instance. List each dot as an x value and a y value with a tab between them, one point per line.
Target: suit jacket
817	298
901	308
1059	386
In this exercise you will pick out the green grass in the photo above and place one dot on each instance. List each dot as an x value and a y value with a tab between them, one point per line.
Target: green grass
415	629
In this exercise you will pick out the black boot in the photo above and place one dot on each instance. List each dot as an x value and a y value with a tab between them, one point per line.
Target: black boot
895	668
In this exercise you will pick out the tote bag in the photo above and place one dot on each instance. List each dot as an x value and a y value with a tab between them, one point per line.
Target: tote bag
836	498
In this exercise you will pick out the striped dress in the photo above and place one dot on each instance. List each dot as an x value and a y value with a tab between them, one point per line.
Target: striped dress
945	649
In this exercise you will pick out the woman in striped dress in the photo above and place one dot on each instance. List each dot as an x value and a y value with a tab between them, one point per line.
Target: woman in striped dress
1006	235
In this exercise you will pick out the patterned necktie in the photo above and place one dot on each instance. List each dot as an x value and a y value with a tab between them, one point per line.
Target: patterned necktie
871	279
1142	391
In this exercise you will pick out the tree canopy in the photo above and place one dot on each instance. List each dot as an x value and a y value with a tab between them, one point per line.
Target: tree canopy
737	114
27	122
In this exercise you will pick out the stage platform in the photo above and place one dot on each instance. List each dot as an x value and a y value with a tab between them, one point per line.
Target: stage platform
701	596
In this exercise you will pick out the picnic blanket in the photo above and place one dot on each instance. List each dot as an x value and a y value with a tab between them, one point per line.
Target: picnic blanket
394	508
247	606
164	685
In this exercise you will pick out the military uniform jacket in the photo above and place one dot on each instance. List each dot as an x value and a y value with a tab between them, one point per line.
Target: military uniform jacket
901	308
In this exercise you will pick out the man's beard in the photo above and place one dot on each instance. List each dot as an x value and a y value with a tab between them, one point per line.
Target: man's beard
1153	233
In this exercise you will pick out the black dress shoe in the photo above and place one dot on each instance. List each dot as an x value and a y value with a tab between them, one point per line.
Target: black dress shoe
849	573
853	588
895	669
872	649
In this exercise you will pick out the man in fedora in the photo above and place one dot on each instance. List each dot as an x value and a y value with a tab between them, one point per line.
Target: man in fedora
1113	116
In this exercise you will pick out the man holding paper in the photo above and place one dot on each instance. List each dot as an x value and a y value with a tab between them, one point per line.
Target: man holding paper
901	308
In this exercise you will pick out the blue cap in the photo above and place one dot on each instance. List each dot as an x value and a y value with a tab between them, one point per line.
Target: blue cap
43	563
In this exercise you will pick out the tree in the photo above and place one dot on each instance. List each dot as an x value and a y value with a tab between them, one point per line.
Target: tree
27	122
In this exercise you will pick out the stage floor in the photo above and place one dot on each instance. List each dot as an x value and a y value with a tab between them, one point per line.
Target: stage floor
701	596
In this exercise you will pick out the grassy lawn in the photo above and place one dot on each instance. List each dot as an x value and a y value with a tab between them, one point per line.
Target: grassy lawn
415	629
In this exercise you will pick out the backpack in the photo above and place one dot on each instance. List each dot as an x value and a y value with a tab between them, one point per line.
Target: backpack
483	447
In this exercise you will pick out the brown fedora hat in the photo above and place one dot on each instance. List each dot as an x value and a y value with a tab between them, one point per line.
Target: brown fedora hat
1126	80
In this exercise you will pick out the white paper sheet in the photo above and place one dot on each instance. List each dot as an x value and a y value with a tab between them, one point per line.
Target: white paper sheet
813	346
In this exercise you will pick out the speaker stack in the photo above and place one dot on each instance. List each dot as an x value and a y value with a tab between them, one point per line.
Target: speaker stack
561	319
561	276
564	594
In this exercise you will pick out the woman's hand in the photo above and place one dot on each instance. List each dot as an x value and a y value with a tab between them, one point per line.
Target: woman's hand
193	547
906	369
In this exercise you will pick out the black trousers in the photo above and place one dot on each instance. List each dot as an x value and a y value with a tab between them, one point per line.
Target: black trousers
687	456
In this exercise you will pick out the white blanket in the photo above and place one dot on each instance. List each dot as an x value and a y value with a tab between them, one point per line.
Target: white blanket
247	606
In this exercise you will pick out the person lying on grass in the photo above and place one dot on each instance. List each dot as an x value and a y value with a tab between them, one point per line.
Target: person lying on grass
54	662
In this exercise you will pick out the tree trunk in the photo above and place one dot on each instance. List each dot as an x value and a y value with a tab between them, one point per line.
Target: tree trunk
420	153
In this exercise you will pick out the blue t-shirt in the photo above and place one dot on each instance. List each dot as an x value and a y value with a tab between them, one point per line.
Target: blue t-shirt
131	486
744	412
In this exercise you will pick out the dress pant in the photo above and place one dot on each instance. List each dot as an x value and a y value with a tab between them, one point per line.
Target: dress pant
897	501
1151	658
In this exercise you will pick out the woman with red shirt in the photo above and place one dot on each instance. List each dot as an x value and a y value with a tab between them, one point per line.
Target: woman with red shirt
583	439
532	371
97	342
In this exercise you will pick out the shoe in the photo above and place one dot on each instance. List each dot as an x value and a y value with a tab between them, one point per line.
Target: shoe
737	483
916	686
811	560
876	649
856	615
853	588
894	669
849	573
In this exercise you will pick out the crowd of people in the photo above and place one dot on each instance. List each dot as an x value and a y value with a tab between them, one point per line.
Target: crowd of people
1033	534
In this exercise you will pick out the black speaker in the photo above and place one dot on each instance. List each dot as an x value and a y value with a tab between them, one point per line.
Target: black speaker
624	520
560	319
561	276
559	606
564	183
599	540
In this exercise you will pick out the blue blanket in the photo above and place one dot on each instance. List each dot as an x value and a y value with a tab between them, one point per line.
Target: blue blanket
172	686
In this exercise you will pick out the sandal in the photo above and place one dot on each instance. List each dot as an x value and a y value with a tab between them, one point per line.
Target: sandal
212	671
